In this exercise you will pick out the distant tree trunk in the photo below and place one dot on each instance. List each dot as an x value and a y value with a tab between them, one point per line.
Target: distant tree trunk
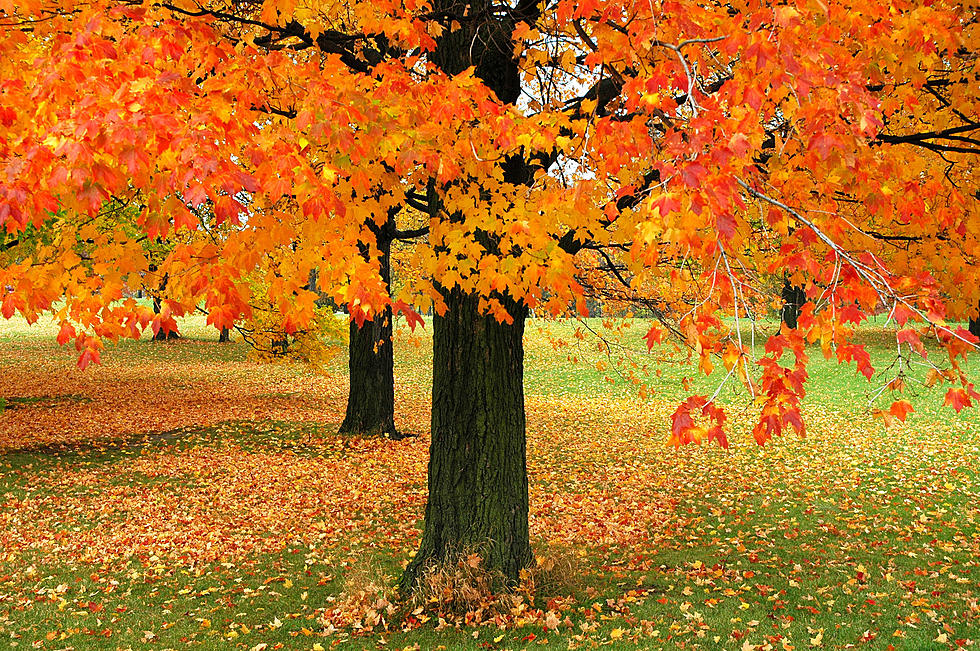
371	400
313	285
160	335
793	299
478	486
594	306
225	336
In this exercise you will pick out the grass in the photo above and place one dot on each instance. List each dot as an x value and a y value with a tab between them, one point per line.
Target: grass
183	496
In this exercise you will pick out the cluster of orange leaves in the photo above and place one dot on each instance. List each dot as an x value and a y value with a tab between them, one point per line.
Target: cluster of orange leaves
770	131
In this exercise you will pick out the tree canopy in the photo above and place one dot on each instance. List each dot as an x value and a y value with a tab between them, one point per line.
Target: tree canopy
695	156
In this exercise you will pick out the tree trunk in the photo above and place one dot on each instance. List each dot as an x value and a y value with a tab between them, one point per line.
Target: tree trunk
160	335
371	400
478	486
225	336
793	299
975	326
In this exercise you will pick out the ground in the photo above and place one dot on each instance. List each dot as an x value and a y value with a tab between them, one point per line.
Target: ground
181	495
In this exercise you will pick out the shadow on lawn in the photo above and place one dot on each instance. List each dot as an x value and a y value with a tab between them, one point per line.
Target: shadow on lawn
269	436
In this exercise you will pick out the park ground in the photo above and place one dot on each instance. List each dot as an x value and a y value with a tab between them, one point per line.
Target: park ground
182	495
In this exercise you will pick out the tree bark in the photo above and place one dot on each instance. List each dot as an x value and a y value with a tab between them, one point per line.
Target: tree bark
160	335
371	400
225	336
478	486
793	299
975	326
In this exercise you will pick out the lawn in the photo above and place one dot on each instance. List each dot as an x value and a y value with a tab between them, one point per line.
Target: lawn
183	495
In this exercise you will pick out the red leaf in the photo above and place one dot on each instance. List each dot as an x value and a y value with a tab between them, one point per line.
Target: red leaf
411	315
900	409
90	354
792	417
957	399
725	223
9	306
666	204
654	336
823	144
901	314
358	314
693	173
911	337
67	332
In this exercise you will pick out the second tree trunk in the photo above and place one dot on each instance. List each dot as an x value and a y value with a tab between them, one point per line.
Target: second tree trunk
793	299
371	401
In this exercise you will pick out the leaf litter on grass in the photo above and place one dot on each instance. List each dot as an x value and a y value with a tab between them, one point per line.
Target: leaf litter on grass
857	536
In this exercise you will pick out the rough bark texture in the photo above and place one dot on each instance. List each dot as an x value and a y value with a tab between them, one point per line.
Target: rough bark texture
793	299
371	400
478	486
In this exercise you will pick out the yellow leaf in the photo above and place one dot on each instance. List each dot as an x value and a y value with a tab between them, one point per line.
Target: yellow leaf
616	633
552	621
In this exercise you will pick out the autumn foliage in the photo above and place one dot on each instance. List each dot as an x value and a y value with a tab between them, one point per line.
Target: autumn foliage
691	150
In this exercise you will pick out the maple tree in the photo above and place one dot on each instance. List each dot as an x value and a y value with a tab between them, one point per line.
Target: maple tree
692	152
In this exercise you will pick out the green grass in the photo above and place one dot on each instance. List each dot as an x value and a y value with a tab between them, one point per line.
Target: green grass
859	536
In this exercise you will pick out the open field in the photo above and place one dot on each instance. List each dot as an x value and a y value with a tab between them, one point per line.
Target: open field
181	495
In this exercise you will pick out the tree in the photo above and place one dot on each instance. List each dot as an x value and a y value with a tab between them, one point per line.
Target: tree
691	151
794	298
163	333
371	360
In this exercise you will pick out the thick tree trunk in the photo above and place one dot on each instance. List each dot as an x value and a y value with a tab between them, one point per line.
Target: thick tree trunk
371	401
478	486
225	336
793	299
975	327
